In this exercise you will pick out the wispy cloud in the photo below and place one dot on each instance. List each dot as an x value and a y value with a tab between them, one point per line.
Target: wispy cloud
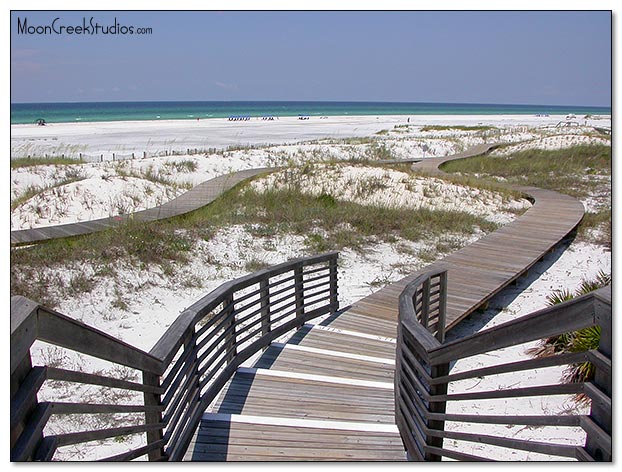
224	85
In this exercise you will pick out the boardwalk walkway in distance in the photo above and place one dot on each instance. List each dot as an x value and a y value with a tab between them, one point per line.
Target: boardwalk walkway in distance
327	393
193	199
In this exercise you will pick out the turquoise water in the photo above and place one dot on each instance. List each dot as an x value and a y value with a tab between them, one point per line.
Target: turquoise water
130	111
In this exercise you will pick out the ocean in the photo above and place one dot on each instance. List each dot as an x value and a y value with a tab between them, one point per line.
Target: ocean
23	113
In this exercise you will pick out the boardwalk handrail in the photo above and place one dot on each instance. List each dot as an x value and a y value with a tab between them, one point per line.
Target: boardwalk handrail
181	375
422	377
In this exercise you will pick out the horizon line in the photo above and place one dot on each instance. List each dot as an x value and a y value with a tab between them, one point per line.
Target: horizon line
307	101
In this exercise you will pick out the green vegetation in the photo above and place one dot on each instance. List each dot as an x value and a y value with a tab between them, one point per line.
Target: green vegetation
578	341
580	171
186	165
153	175
43	161
457	128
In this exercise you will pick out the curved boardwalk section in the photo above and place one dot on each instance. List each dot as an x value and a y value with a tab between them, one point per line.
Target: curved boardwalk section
327	393
193	199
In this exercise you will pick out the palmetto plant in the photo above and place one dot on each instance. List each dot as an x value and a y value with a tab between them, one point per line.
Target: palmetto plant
582	340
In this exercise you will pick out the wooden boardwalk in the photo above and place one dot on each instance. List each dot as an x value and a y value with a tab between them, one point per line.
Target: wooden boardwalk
193	199
327	393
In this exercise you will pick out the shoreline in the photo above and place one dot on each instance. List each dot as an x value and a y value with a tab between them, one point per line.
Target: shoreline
312	117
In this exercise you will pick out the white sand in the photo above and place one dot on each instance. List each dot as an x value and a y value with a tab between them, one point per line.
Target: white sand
138	305
123	138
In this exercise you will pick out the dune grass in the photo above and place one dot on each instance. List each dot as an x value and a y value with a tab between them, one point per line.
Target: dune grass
457	128
580	171
573	170
43	161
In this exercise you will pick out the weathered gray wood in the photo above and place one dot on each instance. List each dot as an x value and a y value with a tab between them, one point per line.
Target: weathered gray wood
86	436
66	332
520	444
25	448
153	400
576	314
63	408
598	443
54	373
518	366
135	453
24	330
24	401
530	420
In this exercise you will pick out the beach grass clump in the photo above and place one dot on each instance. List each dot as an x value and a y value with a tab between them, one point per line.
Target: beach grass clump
184	166
567	170
21	162
378	151
456	128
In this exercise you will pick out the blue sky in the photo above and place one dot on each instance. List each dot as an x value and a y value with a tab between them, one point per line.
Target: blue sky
550	58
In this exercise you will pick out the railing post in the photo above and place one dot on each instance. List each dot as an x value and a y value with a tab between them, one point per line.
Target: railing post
264	294
190	344
442	308
24	327
299	294
425	303
153	417
436	407
600	414
230	337
332	268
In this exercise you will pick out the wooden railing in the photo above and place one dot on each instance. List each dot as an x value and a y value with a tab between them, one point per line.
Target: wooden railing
162	394
423	378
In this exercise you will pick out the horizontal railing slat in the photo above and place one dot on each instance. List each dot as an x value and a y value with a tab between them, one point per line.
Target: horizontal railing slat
135	453
54	373
520	444
64	408
66	332
97	435
576	315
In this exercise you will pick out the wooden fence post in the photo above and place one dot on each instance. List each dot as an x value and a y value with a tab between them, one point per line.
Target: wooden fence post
436	407
153	417
230	337
425	301
442	308
264	294
299	294
334	301
601	413
26	436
